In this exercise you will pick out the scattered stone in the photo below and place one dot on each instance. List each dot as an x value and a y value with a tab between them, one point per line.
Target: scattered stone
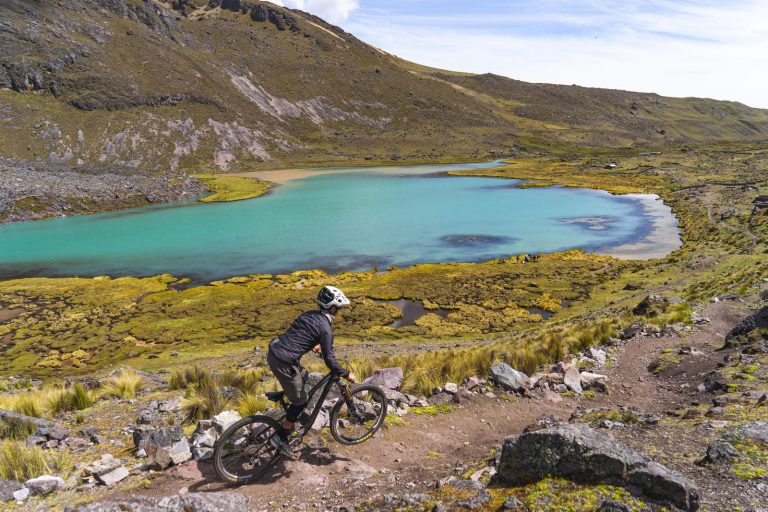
594	381
597	355
114	476
191	501
163	447
509	378
43	485
720	450
58	433
104	465
756	431
632	331
613	506
440	398
477	501
572	379
512	503
451	388
472	383
21	495
690	351
582	454
203	443
149	417
7	488
224	419
387	378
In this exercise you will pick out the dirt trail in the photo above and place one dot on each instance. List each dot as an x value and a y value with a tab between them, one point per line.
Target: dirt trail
408	458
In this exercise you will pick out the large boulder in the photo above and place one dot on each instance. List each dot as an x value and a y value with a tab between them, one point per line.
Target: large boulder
582	454
192	501
387	378
756	431
43	485
508	378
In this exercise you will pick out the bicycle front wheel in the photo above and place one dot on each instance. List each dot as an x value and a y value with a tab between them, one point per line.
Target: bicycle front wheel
243	453
354	421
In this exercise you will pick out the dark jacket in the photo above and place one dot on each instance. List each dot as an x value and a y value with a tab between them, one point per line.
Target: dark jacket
310	329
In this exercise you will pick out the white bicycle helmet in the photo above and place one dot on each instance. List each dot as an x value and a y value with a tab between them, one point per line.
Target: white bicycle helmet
331	296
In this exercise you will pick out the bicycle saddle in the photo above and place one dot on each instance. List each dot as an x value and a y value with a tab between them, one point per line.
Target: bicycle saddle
275	396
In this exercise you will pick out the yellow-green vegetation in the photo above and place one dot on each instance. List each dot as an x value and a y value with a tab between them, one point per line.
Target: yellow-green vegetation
231	188
124	385
753	459
550	494
433	410
626	417
20	462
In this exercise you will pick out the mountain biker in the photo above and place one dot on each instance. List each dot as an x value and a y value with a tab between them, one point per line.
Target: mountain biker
311	331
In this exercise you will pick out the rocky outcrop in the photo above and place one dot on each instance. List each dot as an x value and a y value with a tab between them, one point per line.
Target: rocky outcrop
754	322
260	12
582	454
35	190
197	502
651	306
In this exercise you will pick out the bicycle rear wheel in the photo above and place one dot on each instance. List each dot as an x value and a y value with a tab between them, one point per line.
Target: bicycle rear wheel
243	452
355	421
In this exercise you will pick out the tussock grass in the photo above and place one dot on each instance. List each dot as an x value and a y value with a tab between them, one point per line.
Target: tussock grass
125	385
12	428
251	404
28	404
76	398
20	462
209	393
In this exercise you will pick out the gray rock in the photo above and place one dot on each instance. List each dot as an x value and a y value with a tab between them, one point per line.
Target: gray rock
21	495
756	431
149	417
224	419
572	379
477	501
202	443
613	506
451	388
582	454
594	381
58	433
102	466
508	378
440	398
597	354
144	436
112	477
387	378
652	305
197	502
43	485
512	503
631	331
720	450
7	488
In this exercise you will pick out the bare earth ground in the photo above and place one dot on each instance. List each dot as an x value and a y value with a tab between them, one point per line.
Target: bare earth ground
409	458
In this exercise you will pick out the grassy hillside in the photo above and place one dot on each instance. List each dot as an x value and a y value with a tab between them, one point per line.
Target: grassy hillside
208	86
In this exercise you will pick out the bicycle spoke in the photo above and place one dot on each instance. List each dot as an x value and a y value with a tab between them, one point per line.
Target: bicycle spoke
246	451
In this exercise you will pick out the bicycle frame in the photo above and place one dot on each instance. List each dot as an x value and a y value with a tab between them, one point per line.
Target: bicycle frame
326	383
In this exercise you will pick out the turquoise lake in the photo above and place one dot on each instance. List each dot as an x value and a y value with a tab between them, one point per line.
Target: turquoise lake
349	219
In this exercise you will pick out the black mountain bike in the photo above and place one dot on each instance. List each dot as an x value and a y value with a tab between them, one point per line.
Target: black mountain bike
243	452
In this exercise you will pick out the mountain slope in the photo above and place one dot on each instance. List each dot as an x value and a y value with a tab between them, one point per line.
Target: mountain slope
228	84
